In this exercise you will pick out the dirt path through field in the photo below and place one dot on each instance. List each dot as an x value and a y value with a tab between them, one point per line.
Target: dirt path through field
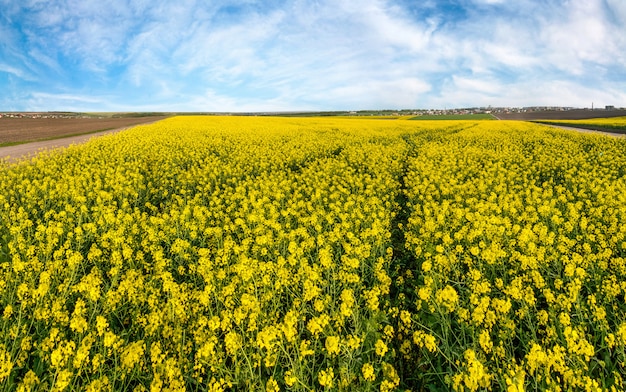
619	135
21	151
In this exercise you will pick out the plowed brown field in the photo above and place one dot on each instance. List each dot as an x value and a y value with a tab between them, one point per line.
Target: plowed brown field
16	130
576	114
32	135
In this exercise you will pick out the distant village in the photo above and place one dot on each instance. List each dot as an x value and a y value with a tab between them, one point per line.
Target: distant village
43	115
404	112
485	110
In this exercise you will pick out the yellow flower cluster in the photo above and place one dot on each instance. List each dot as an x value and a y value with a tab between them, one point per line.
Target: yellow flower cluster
517	239
241	253
202	253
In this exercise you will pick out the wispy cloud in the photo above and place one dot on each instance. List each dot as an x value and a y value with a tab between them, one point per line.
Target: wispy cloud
13	71
41	101
295	54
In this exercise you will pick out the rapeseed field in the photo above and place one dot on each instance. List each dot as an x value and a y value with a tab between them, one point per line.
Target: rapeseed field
277	254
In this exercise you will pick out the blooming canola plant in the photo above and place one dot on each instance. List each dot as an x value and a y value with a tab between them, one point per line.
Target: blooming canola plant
242	253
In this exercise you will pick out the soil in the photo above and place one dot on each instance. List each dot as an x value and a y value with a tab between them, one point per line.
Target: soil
18	130
57	130
576	114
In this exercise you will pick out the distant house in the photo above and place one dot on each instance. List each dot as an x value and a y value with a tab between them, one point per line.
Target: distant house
610	107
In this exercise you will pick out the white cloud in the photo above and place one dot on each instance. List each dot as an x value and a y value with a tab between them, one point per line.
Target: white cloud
214	102
617	11
12	70
581	36
43	101
488	87
386	26
228	51
323	54
345	53
484	92
489	2
65	97
396	93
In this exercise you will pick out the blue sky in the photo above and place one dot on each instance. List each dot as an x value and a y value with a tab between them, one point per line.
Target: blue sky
274	55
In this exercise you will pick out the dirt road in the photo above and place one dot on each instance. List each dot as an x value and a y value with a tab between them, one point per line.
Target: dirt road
14	153
618	135
31	129
21	151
